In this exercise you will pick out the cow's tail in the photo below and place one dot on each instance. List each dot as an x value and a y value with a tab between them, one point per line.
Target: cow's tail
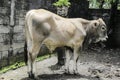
25	53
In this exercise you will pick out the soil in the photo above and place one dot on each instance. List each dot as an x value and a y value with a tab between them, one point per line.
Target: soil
94	64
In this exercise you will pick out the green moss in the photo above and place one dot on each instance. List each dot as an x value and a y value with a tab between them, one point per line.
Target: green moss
20	64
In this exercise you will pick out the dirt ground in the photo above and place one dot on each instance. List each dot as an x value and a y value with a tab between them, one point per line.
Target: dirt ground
95	64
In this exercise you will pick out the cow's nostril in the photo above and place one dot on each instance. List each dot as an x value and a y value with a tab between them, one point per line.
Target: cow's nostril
106	37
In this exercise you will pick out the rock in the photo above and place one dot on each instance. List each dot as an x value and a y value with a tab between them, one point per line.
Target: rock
117	72
108	75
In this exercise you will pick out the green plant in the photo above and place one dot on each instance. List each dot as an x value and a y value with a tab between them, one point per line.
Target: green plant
61	3
20	64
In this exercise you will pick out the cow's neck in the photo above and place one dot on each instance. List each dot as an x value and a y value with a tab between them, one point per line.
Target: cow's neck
86	27
85	23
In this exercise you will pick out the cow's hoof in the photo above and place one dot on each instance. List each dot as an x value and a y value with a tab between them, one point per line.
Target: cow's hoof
76	72
65	69
31	75
72	68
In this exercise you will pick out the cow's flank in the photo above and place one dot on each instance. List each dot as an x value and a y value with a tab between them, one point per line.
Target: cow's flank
44	27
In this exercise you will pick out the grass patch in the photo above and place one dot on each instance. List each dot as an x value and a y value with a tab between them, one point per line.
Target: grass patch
42	57
20	64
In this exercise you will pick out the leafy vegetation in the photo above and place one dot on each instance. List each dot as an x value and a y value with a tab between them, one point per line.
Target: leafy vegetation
20	64
119	6
61	3
96	4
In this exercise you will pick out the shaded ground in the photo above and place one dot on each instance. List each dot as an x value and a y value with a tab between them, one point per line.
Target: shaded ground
97	64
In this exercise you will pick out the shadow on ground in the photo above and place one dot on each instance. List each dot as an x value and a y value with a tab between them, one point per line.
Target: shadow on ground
63	77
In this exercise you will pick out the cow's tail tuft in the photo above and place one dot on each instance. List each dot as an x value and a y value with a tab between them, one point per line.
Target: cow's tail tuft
25	53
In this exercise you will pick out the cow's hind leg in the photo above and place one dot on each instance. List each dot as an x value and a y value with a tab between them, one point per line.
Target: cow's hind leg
32	54
30	66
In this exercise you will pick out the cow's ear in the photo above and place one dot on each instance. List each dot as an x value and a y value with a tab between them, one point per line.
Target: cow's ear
100	20
96	24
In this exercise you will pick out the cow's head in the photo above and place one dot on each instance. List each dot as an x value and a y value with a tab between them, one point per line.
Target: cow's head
98	30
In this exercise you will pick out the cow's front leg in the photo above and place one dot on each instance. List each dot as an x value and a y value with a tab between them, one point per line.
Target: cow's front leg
73	62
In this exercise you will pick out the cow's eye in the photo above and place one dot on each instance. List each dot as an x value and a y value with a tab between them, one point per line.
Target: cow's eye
103	28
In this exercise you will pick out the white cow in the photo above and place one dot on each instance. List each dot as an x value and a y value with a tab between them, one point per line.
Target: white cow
44	27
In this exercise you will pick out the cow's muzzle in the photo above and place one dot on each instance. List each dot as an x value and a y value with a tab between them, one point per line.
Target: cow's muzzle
104	39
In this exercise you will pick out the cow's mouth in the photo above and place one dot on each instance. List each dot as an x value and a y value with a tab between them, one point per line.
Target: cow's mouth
102	39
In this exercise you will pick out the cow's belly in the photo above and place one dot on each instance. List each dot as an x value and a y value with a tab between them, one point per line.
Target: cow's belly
57	40
52	44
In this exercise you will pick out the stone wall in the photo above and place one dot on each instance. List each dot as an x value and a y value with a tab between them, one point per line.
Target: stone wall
11	36
5	35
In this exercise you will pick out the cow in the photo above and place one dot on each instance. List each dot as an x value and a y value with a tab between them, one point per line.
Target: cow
43	27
